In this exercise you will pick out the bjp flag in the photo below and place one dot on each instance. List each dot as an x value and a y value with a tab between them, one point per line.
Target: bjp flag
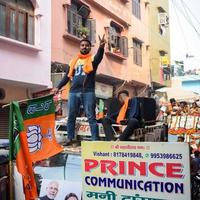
39	122
19	150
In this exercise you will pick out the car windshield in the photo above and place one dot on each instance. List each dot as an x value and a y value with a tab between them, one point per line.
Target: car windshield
61	167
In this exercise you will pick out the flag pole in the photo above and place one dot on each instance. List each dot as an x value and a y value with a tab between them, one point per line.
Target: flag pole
11	182
21	101
25	100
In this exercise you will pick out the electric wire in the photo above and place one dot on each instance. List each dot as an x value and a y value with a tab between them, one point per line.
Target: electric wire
181	28
191	12
187	18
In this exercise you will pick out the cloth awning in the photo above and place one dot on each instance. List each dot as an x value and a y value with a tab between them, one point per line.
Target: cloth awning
179	94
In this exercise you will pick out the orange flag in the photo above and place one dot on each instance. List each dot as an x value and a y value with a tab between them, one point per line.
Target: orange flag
40	124
19	150
122	112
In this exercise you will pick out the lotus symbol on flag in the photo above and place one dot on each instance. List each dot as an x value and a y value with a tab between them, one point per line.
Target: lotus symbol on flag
34	138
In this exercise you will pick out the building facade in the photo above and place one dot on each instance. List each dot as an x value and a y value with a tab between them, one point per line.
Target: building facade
190	83
25	50
159	37
124	23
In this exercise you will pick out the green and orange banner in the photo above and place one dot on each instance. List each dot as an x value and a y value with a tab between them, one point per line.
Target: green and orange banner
39	122
19	150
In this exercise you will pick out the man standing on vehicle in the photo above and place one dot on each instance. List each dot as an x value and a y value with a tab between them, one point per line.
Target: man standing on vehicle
82	72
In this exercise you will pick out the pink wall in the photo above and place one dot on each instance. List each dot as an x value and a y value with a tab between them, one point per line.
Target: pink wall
29	65
63	49
139	29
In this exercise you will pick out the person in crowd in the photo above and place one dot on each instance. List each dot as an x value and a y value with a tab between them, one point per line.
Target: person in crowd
180	139
162	115
194	110
82	72
193	144
172	108
51	191
71	196
183	108
129	114
191	153
195	163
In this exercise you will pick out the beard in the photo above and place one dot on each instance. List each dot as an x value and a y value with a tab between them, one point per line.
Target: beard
51	196
85	51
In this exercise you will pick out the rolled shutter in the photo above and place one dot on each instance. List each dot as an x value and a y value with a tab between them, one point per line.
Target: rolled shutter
4	119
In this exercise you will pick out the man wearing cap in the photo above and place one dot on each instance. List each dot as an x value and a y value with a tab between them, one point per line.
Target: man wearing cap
82	72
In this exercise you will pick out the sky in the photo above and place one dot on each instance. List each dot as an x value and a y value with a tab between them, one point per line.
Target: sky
184	39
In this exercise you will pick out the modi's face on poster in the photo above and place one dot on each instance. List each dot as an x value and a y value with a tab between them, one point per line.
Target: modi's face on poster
52	189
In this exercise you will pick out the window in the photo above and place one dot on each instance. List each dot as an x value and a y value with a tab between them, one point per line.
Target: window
17	20
78	23
166	73
137	52
116	42
21	22
2	19
136	8
30	29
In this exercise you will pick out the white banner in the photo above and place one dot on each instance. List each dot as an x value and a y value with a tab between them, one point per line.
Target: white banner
103	90
133	170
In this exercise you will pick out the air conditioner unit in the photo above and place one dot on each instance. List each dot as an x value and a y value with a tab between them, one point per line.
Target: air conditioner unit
84	11
2	94
162	18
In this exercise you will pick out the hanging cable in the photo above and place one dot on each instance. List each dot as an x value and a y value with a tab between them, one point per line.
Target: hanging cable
187	18
181	28
191	12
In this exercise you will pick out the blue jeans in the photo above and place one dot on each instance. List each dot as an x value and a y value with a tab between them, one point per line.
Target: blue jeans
88	100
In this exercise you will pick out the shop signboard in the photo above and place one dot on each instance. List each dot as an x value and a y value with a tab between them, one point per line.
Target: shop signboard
83	128
164	60
103	90
135	171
